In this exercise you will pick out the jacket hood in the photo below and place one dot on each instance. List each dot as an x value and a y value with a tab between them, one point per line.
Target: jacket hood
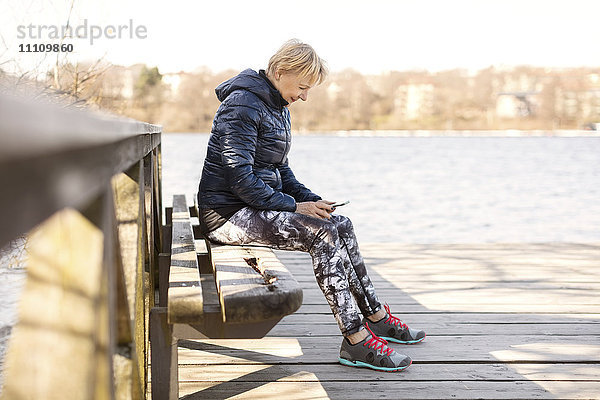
253	82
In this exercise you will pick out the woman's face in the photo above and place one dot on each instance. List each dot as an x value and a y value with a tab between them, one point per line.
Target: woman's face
291	86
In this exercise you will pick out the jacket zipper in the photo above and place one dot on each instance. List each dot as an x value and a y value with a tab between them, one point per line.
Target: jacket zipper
287	139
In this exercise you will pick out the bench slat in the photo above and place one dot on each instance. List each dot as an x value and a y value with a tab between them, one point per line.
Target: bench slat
185	300
223	290
245	294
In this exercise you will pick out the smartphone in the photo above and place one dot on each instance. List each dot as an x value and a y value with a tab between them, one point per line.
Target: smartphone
335	205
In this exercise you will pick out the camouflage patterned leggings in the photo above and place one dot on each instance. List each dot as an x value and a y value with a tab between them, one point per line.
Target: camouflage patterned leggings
337	263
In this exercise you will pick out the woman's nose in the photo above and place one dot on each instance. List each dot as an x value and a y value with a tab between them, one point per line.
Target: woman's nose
304	95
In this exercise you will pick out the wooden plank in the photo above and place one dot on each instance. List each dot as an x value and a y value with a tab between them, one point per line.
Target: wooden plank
330	328
476	295
492	261
124	333
508	268
392	390
127	363
210	324
464	271
164	356
582	281
277	350
222	312
164	265
437	308
394	284
129	215
157	176
563	250
227	315
37	129
60	315
516	251
87	172
418	372
458	280
185	301
438	294
203	255
500	346
150	231
495	269
80	152
442	319
127	382
101	214
267	291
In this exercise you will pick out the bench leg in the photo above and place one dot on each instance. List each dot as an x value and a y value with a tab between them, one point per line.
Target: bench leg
164	378
164	261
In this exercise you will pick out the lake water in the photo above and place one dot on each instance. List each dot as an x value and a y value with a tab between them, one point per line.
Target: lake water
436	189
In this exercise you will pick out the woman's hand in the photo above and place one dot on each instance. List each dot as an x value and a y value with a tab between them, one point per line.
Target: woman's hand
317	209
327	205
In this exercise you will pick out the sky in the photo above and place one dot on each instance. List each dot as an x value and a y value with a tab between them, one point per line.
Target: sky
369	36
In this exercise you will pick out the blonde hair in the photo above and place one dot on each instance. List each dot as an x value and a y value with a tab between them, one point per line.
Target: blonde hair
299	58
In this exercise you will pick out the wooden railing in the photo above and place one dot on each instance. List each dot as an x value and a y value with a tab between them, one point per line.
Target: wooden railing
86	189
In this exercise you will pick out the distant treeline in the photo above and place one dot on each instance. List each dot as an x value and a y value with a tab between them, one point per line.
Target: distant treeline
517	98
493	98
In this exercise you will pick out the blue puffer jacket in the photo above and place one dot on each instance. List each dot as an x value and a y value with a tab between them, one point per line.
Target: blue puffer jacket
246	163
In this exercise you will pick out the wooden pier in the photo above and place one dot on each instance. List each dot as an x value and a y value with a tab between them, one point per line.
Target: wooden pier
504	321
510	321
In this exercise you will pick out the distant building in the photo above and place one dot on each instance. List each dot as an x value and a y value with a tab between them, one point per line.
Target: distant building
578	104
128	81
172	81
334	90
414	101
511	105
128	76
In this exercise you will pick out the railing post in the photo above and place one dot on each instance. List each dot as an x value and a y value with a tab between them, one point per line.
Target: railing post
62	346
164	378
131	219
87	187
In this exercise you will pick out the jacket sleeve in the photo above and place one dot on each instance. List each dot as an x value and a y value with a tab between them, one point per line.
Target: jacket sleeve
294	188
239	132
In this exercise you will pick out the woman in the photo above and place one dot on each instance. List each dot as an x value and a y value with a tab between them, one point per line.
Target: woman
249	194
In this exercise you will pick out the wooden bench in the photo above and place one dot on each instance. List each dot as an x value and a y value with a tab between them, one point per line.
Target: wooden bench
208	290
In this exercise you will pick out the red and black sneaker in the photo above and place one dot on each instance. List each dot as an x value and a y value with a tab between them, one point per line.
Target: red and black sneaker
373	352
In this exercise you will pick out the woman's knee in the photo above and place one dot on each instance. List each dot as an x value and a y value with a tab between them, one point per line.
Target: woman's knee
343	225
326	235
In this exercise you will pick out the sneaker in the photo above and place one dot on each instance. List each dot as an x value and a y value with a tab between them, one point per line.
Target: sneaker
393	329
372	352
